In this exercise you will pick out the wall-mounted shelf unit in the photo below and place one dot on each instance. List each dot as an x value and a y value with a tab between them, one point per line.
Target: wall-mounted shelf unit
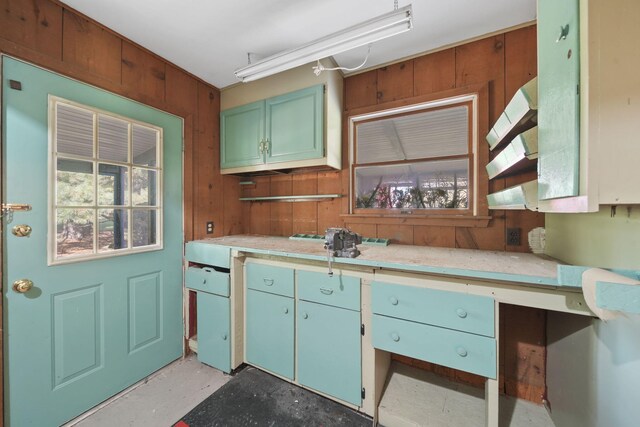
302	198
523	196
518	156
521	114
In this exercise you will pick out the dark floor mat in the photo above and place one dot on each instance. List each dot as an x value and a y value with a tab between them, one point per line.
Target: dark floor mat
255	398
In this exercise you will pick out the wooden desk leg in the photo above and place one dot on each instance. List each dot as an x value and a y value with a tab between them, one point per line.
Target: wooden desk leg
491	389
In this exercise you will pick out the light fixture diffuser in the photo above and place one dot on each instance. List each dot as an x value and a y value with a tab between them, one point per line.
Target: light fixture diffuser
381	27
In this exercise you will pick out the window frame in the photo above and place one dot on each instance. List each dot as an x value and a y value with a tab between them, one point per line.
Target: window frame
470	98
53	155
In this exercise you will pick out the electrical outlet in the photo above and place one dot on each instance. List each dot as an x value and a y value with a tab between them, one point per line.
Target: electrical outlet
513	237
209	227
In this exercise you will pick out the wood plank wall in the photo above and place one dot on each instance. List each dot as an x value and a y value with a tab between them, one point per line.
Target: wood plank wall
49	34
505	62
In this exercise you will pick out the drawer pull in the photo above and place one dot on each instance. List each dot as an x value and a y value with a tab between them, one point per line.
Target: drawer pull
204	281
393	301
268	282
461	313
326	291
305	316
285	310
462	352
224	337
395	337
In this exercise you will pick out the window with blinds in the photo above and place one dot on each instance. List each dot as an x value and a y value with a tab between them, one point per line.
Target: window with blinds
106	181
414	160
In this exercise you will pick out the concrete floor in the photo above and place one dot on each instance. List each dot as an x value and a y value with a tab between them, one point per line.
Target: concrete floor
162	400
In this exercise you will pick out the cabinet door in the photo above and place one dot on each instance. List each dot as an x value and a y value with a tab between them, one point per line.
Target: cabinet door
269	327
558	99
214	339
294	125
329	350
241	131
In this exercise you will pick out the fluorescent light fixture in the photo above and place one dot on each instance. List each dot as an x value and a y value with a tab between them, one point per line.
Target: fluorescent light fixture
387	25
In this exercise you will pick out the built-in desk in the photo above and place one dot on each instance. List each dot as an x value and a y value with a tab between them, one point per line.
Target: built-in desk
434	304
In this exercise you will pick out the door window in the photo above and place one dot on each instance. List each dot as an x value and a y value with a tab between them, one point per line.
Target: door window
105	186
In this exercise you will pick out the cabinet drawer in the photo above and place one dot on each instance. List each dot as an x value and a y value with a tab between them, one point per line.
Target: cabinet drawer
337	290
267	278
206	279
458	350
205	253
453	310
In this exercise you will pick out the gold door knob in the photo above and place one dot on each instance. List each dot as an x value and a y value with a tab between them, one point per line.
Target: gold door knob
22	285
22	230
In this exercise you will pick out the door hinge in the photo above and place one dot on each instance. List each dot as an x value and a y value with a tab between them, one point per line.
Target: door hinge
363	393
362	329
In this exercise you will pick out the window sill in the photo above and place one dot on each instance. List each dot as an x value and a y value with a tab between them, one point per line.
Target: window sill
433	220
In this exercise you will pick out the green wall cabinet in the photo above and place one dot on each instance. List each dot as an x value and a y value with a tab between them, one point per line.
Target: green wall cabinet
242	133
329	350
214	338
559	99
270	332
273	133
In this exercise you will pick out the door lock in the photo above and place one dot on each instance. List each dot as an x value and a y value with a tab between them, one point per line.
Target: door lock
22	230
22	285
9	208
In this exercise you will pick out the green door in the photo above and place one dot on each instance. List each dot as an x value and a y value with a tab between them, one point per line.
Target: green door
294	125
269	329
558	99
103	177
242	136
329	351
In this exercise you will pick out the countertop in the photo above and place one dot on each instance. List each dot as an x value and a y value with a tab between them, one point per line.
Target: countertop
516	267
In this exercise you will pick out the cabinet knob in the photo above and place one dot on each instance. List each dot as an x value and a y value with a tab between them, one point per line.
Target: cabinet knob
395	337
204	281
393	301
285	310
224	337
462	352
461	313
305	316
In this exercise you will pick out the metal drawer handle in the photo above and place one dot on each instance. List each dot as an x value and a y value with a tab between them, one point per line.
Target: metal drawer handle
462	352
395	337
326	291
461	313
268	282
393	301
305	316
285	310
224	337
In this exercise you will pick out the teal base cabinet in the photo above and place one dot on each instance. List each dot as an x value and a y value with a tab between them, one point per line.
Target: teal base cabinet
214	339
270	332
329	352
213	305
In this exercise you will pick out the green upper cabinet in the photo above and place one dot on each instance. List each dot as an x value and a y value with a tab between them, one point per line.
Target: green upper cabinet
294	125
285	131
242	133
558	99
